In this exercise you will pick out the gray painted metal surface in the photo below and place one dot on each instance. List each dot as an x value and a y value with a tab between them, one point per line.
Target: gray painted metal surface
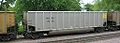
60	20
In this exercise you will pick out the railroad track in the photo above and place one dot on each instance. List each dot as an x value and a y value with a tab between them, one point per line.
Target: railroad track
76	38
88	38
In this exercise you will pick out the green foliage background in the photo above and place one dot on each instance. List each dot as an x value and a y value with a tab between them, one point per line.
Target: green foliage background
107	5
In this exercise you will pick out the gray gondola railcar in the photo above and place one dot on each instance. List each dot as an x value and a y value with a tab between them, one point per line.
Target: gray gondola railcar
44	22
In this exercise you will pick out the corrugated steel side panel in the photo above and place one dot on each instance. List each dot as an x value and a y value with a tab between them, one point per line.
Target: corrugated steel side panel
54	20
40	24
31	18
65	20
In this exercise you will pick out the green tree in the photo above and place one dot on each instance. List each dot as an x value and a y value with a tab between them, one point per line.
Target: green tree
107	5
47	5
5	5
89	7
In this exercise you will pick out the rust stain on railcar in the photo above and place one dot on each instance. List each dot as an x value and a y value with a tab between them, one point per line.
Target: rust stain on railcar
110	16
116	17
10	19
